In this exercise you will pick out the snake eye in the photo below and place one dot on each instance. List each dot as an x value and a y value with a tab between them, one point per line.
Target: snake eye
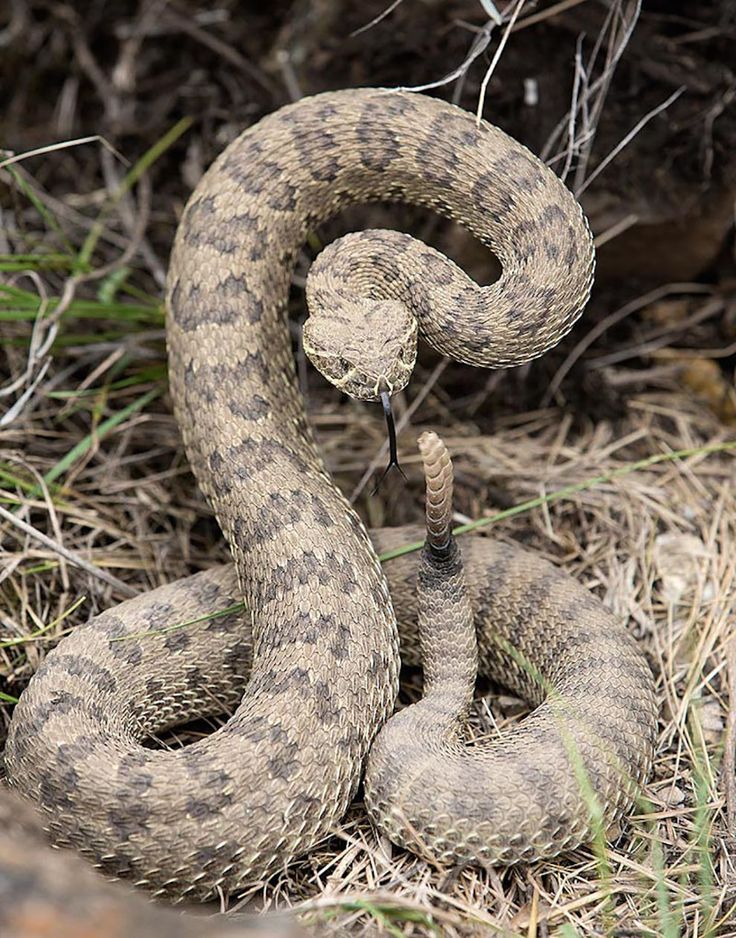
342	365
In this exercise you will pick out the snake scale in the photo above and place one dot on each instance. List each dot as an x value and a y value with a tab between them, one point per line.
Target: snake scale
311	670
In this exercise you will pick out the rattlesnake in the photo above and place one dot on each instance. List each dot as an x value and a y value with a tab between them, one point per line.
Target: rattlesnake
232	808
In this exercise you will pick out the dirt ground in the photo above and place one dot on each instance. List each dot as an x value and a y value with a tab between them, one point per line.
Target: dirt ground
634	107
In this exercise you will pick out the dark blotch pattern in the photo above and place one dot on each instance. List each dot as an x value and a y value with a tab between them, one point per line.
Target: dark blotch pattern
238	805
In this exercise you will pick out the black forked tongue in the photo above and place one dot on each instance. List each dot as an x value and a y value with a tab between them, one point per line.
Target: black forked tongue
393	457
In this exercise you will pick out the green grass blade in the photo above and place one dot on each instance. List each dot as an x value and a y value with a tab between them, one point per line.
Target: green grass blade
569	490
127	183
104	428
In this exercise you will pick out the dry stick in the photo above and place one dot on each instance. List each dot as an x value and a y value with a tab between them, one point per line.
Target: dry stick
489	8
187	25
568	490
729	754
604	83
616	229
124	71
376	19
611	320
578	80
495	60
593	95
107	91
710	308
663	344
43	334
50	508
65	144
135	214
628	138
546	14
19	18
65	300
61	210
589	89
288	73
100	368
725	351
67	554
477	48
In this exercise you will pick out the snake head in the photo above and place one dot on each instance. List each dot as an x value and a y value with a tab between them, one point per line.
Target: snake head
365	348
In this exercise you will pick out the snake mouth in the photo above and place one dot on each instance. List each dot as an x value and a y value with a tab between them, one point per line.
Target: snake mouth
381	387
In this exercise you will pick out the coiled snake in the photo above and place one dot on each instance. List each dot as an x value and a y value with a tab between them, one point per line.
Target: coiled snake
232	808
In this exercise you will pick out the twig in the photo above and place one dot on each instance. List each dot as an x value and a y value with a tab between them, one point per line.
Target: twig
187	25
616	229
602	86
477	48
567	491
580	77
376	19
495	60
628	138
729	753
63	145
661	341
288	73
589	94
67	554
42	338
546	14
611	320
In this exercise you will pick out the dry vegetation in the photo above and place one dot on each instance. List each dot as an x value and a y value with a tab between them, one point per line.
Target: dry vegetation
96	499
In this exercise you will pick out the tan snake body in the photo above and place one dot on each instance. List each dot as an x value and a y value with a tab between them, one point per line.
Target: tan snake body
228	810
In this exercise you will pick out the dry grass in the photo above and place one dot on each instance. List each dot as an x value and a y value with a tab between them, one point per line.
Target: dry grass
658	546
98	502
